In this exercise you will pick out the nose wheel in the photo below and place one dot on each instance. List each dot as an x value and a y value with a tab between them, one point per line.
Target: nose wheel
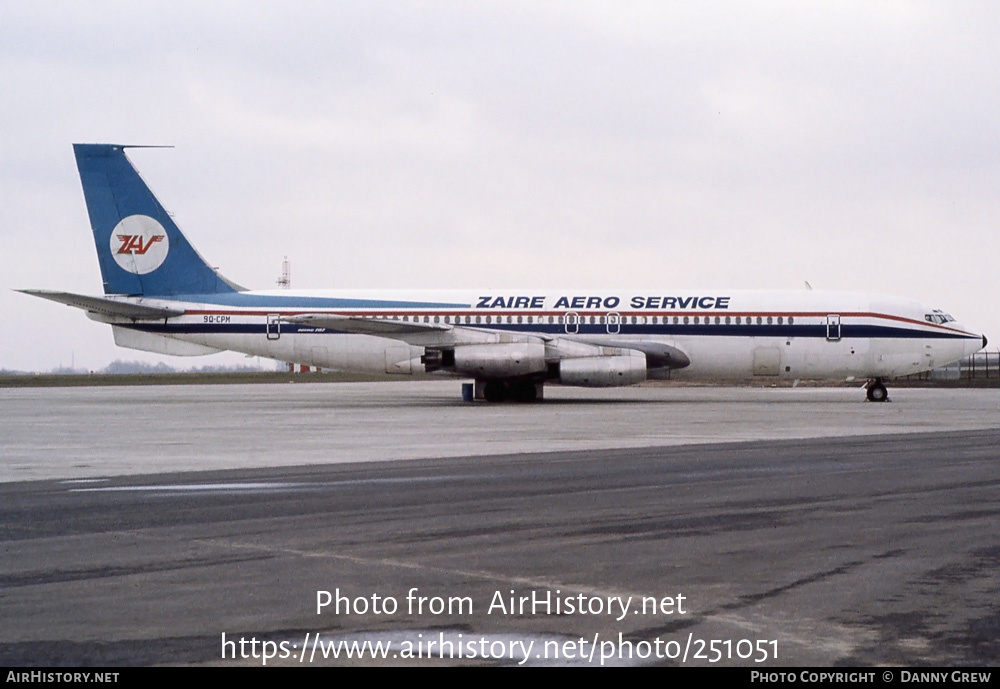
876	391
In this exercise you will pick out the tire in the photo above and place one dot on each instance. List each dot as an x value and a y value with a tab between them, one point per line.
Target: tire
877	392
523	391
495	391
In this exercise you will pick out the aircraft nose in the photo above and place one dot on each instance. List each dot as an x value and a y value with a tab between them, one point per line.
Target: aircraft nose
985	341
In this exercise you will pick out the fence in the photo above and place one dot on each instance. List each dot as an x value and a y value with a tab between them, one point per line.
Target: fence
979	366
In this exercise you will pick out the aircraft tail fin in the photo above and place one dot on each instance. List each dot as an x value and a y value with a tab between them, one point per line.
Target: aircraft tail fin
139	246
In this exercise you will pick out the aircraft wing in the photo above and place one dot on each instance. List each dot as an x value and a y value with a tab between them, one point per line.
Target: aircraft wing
364	325
106	306
658	354
434	335
444	335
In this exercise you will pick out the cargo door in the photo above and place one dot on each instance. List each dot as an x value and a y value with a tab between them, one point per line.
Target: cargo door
766	361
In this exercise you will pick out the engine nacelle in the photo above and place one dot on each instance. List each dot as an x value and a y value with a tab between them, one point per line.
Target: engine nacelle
603	371
500	360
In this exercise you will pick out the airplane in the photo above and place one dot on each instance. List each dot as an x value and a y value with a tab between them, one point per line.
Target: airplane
161	296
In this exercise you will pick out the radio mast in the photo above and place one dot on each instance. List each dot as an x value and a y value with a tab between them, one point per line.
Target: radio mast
285	281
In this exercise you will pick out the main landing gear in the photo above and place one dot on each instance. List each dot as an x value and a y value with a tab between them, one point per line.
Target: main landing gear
876	391
496	390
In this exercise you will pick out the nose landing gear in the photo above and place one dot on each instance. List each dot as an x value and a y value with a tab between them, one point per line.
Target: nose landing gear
876	391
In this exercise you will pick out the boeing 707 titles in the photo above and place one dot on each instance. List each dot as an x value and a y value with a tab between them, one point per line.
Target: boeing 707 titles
161	296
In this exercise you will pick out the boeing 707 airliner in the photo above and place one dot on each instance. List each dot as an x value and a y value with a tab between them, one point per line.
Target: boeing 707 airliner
160	295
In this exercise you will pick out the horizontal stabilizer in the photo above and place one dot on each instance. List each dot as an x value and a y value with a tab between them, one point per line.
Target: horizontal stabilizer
106	306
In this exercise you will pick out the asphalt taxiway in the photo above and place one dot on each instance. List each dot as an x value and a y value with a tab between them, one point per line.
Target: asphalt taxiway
795	527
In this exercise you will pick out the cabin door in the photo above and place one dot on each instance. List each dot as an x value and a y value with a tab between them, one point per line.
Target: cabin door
833	328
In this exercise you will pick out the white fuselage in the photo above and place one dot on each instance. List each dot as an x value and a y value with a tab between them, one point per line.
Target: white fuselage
725	334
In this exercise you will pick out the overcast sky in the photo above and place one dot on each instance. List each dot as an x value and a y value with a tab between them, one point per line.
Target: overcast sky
480	144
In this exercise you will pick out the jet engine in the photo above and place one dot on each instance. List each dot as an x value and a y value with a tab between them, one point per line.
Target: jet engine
507	360
603	371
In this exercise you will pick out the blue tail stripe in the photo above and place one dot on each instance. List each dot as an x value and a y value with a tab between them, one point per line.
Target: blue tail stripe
114	192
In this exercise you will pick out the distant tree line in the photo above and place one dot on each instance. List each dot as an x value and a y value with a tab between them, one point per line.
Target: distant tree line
120	367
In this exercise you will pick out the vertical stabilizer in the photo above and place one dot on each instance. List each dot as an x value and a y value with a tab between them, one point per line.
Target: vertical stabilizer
140	248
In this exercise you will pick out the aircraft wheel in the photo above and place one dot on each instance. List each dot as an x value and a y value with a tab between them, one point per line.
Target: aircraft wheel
495	391
523	391
877	392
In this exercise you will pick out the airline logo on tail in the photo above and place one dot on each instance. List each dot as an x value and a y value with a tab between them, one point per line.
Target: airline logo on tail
139	244
132	243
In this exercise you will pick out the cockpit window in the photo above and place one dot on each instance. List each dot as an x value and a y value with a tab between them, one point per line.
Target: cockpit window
939	317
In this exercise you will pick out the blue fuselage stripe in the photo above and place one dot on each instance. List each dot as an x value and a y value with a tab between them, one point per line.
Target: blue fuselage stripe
299	302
